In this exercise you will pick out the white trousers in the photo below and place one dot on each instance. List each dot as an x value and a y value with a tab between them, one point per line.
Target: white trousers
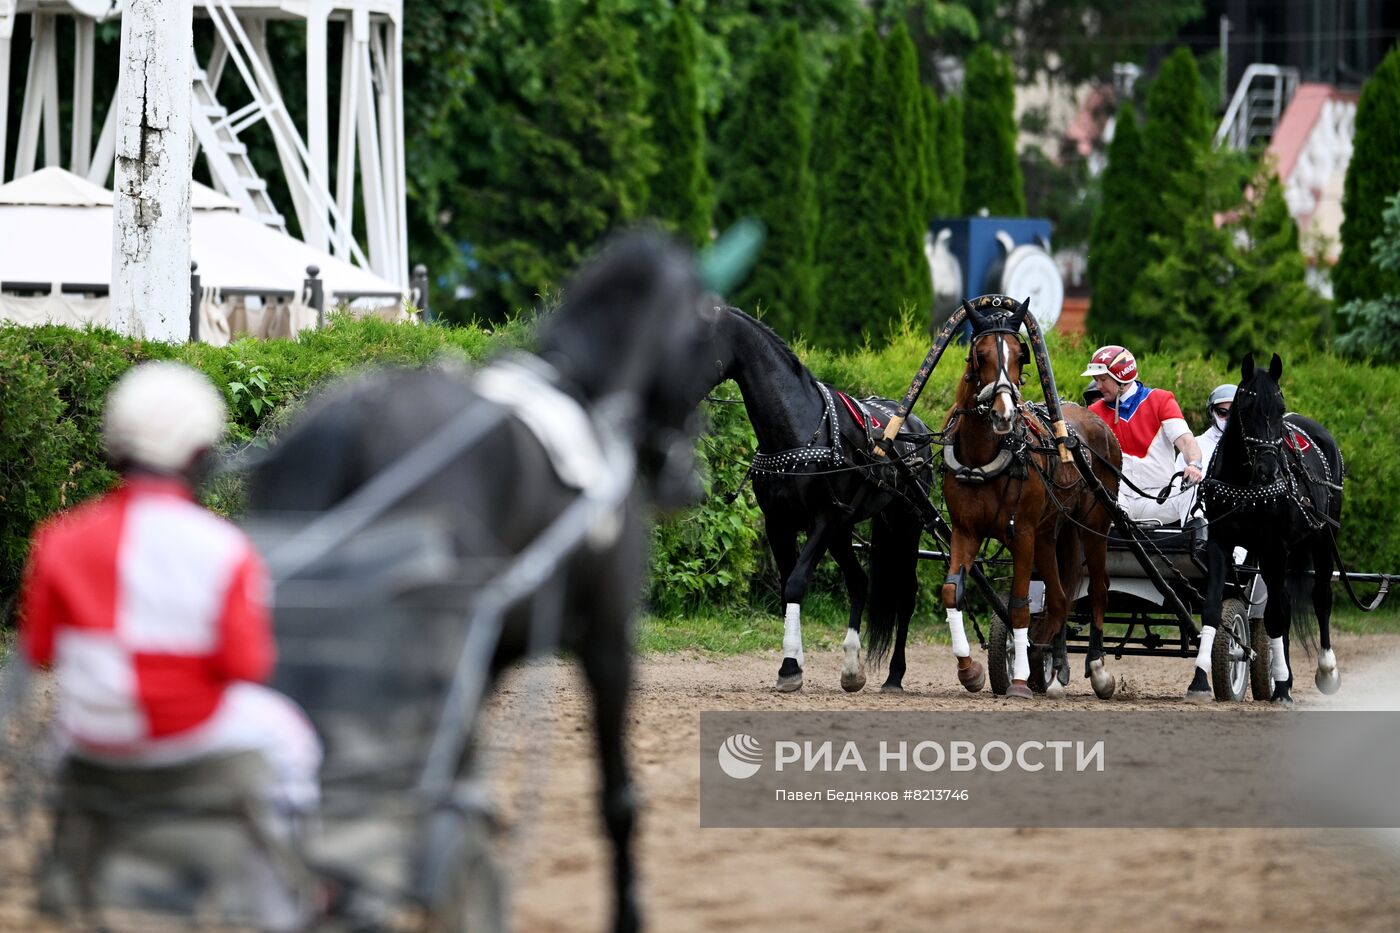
250	717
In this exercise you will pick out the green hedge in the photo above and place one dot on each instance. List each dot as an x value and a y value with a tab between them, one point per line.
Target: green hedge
52	381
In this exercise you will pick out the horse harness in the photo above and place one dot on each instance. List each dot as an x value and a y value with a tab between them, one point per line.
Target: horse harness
1029	435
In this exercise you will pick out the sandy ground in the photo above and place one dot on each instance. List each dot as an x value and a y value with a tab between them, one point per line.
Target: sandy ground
914	879
922	879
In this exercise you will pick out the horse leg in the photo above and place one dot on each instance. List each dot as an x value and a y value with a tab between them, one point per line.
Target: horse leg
1219	558
782	541
852	668
1327	678
1095	547
794	588
607	663
1023	552
1277	612
964	548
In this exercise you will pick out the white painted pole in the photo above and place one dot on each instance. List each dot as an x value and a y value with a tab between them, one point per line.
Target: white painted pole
151	220
318	115
80	148
7	28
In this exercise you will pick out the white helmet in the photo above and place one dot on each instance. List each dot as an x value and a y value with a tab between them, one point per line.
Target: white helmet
160	414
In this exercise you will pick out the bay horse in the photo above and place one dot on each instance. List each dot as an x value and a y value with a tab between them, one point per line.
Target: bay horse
814	473
1274	487
1003	479
630	336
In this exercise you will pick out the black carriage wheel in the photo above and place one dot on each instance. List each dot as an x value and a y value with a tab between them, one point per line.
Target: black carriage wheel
1261	679
999	655
1042	664
1229	676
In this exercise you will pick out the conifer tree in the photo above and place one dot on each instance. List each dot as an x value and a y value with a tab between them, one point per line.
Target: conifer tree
828	123
568	167
910	163
1372	325
1175	137
1372	176
1118	240
681	194
993	174
872	264
1284	311
950	152
766	145
933	174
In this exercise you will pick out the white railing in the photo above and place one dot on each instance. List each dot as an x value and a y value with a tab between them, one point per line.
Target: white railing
1259	101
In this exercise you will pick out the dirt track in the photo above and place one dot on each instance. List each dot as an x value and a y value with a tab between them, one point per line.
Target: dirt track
917	879
924	879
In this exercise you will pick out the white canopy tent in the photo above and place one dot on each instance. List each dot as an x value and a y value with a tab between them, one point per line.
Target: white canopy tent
56	237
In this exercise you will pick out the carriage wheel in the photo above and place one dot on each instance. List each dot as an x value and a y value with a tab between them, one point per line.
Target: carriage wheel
1229	670
1000	652
1042	663
1261	678
472	892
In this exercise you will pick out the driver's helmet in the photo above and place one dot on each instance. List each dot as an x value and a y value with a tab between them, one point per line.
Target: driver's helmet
159	415
1221	393
1114	361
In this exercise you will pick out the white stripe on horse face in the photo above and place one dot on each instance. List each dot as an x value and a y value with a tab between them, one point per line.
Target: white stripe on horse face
1004	392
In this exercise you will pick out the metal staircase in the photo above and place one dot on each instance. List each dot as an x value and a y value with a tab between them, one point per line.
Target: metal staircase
1259	101
217	132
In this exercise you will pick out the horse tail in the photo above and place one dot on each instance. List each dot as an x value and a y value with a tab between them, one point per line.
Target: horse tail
894	561
1298	580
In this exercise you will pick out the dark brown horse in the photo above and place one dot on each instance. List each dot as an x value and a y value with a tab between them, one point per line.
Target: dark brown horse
1003	479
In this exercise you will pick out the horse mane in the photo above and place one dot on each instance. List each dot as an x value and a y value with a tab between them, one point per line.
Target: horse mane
773	337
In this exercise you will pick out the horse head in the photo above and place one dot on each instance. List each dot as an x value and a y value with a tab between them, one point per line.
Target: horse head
997	356
633	329
1258	416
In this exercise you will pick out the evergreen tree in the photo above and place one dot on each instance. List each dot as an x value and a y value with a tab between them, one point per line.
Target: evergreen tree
766	145
1188	291
829	126
950	154
993	175
1372	325
1372	176
1118	240
1176	135
1285	313
933	175
911	141
681	194
569	164
871	262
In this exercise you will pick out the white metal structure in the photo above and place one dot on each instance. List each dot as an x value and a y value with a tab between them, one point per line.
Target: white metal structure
370	143
1260	99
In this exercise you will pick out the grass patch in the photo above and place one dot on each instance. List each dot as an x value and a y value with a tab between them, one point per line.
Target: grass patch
1384	621
739	631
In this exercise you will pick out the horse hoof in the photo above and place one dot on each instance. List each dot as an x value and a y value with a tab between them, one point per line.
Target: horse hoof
1055	690
973	677
853	683
1281	700
1328	682
1101	680
890	687
1019	691
789	683
1199	691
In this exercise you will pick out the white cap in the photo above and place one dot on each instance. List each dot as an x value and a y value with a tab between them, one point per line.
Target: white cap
160	414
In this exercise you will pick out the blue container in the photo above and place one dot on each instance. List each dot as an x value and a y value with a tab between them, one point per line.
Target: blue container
973	243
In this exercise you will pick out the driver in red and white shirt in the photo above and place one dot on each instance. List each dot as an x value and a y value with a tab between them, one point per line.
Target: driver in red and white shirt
1150	428
153	611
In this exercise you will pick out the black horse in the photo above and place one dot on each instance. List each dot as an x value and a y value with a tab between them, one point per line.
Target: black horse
631	335
815	473
1274	487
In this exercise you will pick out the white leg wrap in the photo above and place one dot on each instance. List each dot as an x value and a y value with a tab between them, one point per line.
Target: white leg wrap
959	633
792	633
1021	666
1327	661
1278	664
1207	643
852	647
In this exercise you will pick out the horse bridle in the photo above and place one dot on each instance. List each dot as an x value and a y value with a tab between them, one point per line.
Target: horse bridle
1255	447
987	391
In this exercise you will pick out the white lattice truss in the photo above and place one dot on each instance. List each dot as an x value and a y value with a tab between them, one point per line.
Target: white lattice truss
1326	153
370	145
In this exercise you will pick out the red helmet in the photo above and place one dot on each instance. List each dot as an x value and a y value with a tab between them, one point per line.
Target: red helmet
1114	361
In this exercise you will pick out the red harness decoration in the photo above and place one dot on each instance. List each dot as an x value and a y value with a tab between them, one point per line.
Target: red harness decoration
1297	440
855	411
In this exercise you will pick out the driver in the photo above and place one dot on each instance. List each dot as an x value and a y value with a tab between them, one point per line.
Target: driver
153	612
1150	428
